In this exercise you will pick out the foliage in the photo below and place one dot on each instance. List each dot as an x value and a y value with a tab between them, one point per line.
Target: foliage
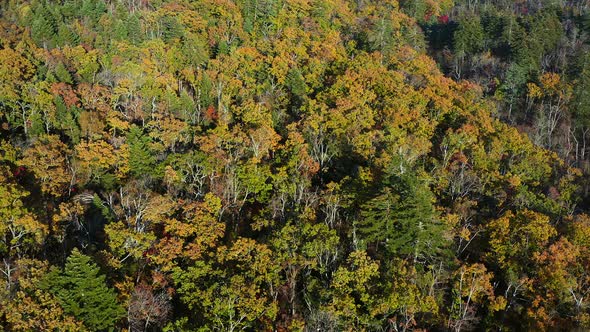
329	165
82	292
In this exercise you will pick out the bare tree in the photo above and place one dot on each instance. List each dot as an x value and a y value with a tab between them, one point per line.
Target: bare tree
147	309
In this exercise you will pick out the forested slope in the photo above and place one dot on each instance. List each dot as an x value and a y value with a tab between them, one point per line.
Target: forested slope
283	165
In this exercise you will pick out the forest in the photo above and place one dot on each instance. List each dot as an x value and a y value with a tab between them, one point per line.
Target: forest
294	165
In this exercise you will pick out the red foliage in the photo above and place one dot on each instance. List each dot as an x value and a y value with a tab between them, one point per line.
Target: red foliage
211	114
443	19
67	93
20	171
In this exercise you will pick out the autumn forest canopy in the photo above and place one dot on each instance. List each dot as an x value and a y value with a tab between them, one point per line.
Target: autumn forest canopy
294	165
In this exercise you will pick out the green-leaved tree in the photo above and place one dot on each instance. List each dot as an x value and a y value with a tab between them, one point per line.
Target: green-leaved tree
83	293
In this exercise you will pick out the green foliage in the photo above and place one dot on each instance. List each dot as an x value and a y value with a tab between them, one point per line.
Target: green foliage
66	119
353	291
469	37
43	25
133	27
296	83
82	292
171	29
141	158
195	51
294	165
62	74
93	10
535	36
402	218
65	36
581	109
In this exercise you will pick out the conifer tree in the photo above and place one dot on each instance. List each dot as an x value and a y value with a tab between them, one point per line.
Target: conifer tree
120	30
133	26
141	157
62	74
83	293
469	37
296	83
581	110
66	36
43	26
402	218
171	29
93	9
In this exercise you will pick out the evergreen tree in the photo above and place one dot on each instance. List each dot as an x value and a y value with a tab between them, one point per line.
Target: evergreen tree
171	29
249	14
141	157
65	119
134	33
43	26
62	74
403	219
83	293
120	30
93	9
296	83
469	37
581	109
70	8
65	36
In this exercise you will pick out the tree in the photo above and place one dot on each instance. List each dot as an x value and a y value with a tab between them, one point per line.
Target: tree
402	218
28	307
16	71
553	95
352	288
468	39
294	165
83	293
516	237
94	160
300	249
472	287
234	290
20	229
47	159
148	308
469	36
141	156
581	109
193	235
43	25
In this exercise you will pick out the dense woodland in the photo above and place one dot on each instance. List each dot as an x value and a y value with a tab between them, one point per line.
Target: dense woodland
294	165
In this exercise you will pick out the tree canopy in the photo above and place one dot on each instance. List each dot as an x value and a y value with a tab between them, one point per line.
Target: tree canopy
294	165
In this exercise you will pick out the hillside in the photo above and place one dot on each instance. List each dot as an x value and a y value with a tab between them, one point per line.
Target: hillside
292	165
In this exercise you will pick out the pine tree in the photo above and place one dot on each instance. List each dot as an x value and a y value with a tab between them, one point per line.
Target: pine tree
62	74
469	38
43	26
65	36
93	9
171	29
296	83
581	110
249	14
120	30
403	219
141	157
83	293
70	8
134	32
